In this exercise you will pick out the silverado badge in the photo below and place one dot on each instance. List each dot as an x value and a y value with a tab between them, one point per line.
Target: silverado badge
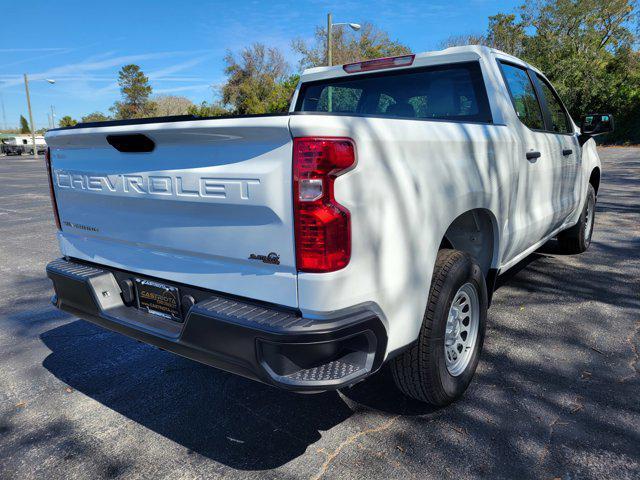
272	257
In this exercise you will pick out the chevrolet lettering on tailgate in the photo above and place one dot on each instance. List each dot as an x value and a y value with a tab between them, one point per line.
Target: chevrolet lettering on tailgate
178	186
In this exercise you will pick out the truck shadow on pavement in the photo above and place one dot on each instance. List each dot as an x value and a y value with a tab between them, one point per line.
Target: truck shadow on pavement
237	422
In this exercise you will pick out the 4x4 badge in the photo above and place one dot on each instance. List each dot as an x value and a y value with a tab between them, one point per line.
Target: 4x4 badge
272	258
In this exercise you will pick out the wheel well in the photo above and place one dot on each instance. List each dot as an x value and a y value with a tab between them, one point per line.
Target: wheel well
594	179
473	232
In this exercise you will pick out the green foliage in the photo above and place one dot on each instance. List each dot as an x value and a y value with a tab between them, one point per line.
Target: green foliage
95	117
258	81
280	99
209	110
67	121
135	90
24	125
587	49
370	42
506	34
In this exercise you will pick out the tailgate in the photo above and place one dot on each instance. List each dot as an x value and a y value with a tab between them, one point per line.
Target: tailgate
209	206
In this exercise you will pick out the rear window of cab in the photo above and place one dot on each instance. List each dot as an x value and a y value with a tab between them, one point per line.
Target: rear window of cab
454	92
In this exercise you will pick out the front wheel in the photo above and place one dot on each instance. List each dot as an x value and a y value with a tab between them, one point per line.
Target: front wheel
438	368
578	238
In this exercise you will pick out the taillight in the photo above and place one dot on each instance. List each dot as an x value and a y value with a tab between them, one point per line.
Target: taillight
322	225
52	195
379	64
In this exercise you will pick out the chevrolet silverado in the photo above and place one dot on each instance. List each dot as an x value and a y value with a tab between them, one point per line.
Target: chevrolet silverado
366	226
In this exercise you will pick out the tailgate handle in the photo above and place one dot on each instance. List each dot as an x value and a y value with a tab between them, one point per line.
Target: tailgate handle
135	142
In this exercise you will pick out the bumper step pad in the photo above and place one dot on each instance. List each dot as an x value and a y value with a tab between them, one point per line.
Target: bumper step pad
331	371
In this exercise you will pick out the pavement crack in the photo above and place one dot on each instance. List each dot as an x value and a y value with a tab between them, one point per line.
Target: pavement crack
384	456
350	440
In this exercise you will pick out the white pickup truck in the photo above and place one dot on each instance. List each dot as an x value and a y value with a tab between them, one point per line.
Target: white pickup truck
306	250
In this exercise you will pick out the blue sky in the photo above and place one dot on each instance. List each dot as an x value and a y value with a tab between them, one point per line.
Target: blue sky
181	45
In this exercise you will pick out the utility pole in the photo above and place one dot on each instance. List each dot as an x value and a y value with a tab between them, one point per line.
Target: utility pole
53	118
33	127
4	115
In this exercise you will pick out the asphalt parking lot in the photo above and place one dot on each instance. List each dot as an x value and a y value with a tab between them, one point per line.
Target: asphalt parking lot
556	395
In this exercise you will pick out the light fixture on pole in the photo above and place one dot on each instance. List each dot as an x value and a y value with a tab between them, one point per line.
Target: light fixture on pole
330	25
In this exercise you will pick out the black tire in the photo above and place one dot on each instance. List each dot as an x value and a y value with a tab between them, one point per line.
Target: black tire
421	371
578	238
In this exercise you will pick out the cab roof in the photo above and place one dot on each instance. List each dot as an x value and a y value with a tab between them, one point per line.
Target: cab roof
447	55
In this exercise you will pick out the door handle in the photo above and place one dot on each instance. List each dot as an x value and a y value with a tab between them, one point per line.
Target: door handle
566	152
533	155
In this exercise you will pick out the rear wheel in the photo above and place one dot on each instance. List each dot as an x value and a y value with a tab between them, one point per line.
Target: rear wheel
440	366
578	238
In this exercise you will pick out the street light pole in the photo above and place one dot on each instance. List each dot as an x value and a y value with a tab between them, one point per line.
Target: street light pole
330	24
329	39
4	115
33	127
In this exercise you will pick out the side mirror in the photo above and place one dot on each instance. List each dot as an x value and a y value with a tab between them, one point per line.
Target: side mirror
596	124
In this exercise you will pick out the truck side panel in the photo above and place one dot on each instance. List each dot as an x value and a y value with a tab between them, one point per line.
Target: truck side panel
412	179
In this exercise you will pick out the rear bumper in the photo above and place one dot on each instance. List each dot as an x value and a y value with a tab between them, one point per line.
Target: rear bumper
259	341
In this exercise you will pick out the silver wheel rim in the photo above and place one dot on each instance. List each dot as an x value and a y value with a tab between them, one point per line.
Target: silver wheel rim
461	332
589	214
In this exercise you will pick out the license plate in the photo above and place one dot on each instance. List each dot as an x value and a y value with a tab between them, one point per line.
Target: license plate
159	299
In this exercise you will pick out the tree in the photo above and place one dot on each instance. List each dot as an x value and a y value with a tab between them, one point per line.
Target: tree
67	121
24	125
135	90
258	81
167	105
506	34
370	42
587	50
95	117
216	109
281	98
468	39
